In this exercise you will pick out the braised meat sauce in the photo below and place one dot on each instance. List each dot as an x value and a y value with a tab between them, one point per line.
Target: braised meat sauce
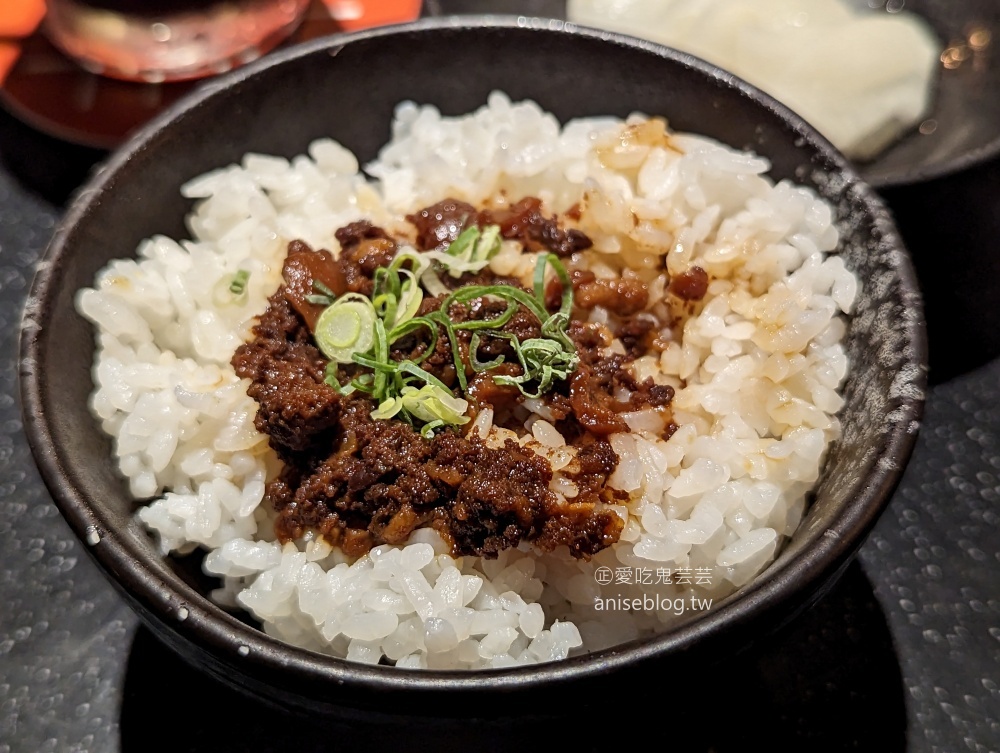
360	481
439	224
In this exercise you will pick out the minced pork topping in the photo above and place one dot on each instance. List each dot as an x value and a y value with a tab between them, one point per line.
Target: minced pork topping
370	367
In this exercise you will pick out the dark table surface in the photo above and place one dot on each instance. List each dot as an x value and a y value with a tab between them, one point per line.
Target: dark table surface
903	655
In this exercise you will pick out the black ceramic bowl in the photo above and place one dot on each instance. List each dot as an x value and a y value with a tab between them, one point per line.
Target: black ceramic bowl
963	127
347	87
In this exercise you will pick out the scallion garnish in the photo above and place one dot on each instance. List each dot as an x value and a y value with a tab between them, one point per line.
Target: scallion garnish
543	359
238	285
230	290
322	296
430	403
470	251
323	289
410	298
359	330
345	328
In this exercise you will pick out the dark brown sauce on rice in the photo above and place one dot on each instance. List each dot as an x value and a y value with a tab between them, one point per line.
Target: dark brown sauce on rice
360	482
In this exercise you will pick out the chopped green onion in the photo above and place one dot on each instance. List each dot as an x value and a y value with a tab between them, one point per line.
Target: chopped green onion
427	432
441	317
345	389
412	325
470	251
507	292
385	306
381	350
567	284
388	367
494	323
464	244
239	284
433	283
363	383
320	287
330	375
410	298
360	330
435	403
419	262
231	289
543	359
345	328
408	367
387	408
322	294
478	365
488	244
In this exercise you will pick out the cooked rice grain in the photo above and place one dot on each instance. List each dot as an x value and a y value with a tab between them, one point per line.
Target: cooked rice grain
756	369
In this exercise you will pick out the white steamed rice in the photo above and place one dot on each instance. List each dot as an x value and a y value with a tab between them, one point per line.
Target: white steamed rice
756	372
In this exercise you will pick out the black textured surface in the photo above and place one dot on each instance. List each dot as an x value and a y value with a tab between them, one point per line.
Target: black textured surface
63	632
69	680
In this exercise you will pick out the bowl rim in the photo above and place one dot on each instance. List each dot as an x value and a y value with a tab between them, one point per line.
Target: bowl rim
899	177
916	176
209	627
